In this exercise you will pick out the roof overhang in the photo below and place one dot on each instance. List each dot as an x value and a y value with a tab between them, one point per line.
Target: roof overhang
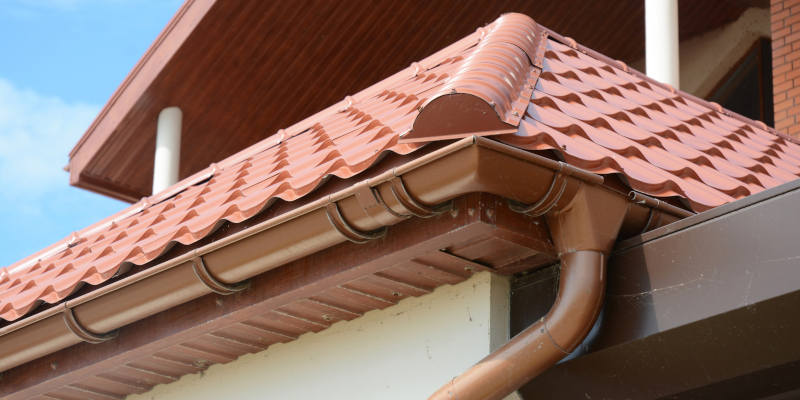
243	70
281	252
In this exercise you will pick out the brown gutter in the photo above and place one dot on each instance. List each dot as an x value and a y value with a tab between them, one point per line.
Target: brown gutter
358	213
584	227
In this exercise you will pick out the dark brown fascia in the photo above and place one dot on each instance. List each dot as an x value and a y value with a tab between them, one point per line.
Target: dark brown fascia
358	213
703	308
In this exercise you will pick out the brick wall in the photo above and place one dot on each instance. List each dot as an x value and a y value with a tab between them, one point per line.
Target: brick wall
786	64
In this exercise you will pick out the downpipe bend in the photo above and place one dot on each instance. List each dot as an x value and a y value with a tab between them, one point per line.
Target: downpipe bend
581	289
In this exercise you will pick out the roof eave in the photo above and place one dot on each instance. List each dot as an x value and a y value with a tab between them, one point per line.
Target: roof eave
468	166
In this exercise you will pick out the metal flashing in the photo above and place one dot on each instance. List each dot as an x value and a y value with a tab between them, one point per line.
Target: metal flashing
707	216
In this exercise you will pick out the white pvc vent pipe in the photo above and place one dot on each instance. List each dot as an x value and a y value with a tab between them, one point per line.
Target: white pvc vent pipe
661	41
168	149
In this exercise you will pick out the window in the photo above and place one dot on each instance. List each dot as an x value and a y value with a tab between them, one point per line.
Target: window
747	89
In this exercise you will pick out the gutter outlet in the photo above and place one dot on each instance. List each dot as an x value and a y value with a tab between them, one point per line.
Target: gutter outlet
584	227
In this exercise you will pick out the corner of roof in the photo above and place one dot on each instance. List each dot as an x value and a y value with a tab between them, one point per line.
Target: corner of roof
489	93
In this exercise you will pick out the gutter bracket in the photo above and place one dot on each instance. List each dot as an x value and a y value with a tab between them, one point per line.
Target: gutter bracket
653	221
370	199
212	283
345	229
548	201
416	208
659	205
83	333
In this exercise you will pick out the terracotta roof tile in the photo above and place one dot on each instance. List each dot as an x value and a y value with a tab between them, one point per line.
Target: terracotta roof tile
585	108
605	120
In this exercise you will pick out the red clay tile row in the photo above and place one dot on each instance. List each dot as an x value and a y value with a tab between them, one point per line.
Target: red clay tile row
605	120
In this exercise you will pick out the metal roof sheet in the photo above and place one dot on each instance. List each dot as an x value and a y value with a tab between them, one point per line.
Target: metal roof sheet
664	143
591	112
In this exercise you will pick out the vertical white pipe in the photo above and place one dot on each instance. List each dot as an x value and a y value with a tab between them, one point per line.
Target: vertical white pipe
661	37
168	149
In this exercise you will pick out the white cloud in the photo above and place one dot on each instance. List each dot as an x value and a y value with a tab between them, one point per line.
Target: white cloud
37	205
36	135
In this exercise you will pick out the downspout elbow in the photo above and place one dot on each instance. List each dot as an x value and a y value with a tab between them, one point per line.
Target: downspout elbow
541	345
584	220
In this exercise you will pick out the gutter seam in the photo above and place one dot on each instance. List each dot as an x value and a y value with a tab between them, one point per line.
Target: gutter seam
207	279
75	327
348	231
545	330
713	214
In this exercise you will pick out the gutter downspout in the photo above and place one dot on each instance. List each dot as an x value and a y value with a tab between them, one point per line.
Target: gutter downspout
584	231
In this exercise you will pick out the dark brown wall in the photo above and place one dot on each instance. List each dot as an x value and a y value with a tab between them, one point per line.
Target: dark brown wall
702	308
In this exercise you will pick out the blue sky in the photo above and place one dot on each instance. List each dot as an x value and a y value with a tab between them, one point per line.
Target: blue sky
60	61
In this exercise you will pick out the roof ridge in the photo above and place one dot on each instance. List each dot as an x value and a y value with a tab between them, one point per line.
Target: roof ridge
494	83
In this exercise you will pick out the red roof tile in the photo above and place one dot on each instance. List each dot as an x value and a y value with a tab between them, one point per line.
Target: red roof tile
605	120
588	110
